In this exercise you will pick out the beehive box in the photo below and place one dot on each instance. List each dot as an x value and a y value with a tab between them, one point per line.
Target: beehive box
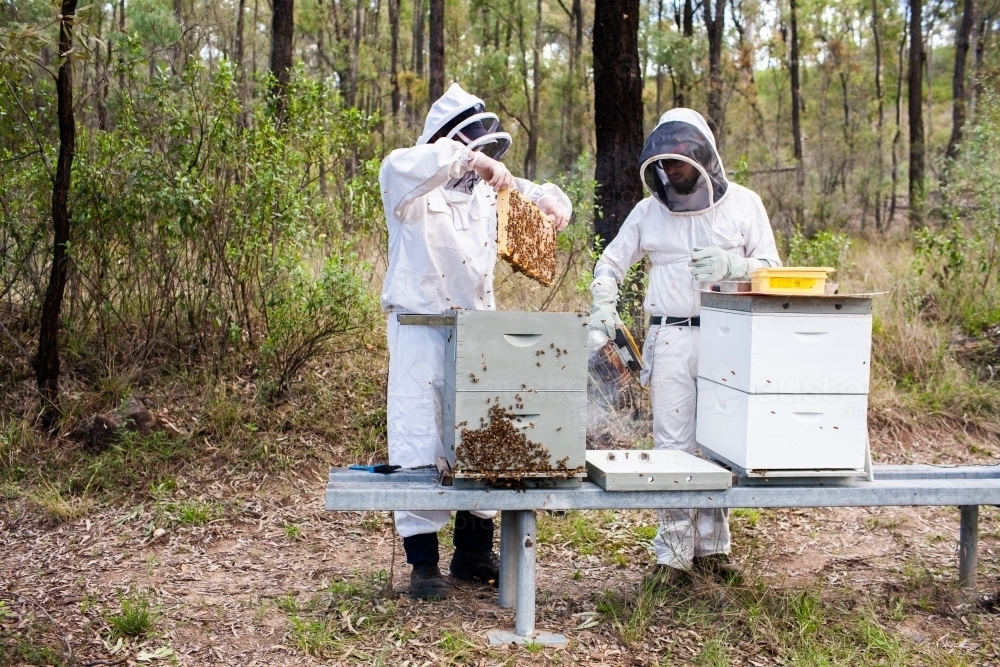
783	382
515	407
759	433
813	346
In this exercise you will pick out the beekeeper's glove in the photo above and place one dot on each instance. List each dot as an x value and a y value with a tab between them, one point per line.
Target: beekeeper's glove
715	264
550	206
604	314
496	175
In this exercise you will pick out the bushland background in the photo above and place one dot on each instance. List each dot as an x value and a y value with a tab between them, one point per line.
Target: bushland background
191	248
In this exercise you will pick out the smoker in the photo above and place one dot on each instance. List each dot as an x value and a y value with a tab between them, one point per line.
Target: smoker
783	383
515	397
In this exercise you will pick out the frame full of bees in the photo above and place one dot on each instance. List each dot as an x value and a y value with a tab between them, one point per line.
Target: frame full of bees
515	408
525	237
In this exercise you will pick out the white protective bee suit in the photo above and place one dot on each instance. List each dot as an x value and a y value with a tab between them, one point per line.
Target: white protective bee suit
442	251
668	227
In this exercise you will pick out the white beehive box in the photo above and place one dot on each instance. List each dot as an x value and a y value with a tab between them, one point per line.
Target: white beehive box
811	349
762	432
654	470
532	364
783	382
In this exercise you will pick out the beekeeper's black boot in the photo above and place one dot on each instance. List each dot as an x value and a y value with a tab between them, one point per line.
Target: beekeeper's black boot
427	583
482	566
720	568
474	559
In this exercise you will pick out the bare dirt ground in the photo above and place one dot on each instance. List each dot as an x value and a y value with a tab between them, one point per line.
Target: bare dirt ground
252	571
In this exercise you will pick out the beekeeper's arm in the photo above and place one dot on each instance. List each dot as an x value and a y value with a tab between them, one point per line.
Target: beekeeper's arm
714	264
615	261
549	198
410	173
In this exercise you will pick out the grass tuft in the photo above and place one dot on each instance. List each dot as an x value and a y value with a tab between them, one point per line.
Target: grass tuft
136	617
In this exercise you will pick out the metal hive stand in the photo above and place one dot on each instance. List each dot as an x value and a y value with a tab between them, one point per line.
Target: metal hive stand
917	485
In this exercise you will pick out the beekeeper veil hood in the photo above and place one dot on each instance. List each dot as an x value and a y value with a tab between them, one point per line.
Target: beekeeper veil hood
683	134
463	117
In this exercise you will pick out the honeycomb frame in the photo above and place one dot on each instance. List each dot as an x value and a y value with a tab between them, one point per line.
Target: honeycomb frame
525	237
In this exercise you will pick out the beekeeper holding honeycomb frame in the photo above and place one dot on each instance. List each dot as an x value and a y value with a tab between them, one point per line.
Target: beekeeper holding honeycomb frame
697	226
440	206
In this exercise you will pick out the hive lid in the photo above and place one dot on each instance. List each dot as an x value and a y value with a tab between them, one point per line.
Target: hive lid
654	470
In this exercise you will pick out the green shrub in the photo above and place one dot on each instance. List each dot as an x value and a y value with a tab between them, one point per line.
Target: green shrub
203	231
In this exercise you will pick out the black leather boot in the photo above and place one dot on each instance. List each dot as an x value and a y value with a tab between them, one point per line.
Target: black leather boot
427	583
482	566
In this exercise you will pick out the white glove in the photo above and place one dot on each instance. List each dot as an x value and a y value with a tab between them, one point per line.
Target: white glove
604	314
493	172
715	264
550	206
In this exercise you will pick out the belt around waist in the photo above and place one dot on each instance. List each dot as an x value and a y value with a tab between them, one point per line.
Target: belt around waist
657	320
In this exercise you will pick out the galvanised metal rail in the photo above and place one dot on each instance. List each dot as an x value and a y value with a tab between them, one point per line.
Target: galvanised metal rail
909	485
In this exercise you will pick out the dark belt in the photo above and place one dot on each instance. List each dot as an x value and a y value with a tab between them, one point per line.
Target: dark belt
657	320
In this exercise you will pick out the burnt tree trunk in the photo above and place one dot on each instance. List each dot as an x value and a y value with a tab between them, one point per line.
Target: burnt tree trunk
282	32
47	358
793	67
436	47
916	115
617	113
958	78
715	25
394	54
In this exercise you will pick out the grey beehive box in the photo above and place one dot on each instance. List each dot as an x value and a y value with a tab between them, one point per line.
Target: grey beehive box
535	366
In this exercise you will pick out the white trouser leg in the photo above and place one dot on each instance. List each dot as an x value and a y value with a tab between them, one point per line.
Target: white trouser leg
684	534
414	398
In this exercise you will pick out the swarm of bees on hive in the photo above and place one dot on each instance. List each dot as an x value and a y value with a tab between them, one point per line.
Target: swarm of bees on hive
525	237
501	455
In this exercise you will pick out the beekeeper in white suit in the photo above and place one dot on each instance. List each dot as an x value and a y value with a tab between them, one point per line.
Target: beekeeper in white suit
440	206
696	227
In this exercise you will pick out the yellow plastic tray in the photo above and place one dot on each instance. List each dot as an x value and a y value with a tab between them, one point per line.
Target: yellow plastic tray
803	280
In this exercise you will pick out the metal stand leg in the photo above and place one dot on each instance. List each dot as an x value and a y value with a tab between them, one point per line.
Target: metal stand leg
517	581
508	558
968	546
524	624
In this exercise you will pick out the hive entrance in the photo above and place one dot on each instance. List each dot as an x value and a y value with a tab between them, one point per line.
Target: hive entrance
501	455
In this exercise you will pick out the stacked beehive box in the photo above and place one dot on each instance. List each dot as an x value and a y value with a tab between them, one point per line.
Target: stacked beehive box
516	398
783	382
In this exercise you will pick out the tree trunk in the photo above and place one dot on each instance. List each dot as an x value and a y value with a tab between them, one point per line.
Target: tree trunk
618	113
683	96
899	124
47	358
880	101
531	155
436	45
121	59
394	54
916	116
958	78
103	70
715	24
793	67
659	68
351	99
419	17
282	31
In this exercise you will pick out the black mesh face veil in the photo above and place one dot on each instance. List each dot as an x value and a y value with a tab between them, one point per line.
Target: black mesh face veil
679	140
479	130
